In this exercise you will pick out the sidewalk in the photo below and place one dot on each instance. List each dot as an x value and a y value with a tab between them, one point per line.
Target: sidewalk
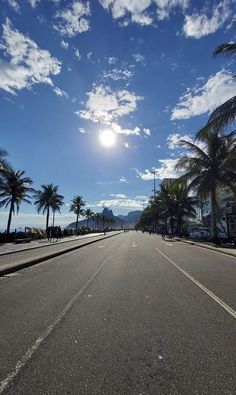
8	248
17	260
203	244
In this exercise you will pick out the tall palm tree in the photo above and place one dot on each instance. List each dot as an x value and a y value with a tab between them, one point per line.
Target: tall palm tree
14	189
88	214
225	114
76	207
210	170
186	204
57	203
47	199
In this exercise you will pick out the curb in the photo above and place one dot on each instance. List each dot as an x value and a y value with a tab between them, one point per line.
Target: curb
43	246
42	258
207	247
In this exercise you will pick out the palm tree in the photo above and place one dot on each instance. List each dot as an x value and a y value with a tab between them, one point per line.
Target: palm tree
56	204
185	203
76	207
88	214
210	170
48	199
225	114
3	163
14	189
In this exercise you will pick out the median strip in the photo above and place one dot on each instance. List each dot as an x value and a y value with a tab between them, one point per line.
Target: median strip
24	263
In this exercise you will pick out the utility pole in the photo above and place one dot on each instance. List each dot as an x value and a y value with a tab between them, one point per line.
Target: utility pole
154	181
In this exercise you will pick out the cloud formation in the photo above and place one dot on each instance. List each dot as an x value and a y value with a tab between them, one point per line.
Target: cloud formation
140	11
28	65
105	105
74	19
200	100
198	25
166	170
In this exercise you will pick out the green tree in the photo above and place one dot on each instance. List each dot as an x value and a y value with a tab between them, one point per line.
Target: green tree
14	189
211	169
76	207
4	165
56	204
88	214
225	114
47	199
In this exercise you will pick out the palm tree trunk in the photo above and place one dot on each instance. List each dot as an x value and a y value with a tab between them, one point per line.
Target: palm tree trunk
213	216
47	218
171	225
179	225
10	217
87	221
53	219
77	223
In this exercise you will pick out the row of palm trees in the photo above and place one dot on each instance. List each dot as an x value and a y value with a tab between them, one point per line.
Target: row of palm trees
15	188
207	171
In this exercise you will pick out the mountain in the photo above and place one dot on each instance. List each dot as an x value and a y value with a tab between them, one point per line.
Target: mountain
121	220
131	217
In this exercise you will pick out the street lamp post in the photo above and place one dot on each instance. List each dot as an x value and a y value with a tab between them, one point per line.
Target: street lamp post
154	181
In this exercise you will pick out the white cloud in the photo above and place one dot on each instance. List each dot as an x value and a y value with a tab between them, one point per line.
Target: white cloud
77	54
138	57
147	131
64	44
123	180
112	60
82	130
60	92
173	142
14	5
118	195
198	25
28	64
105	105
116	74
199	100
126	132
140	11
134	203
165	7
33	3
74	19
166	170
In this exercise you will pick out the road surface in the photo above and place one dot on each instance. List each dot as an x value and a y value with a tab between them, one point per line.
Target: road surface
129	315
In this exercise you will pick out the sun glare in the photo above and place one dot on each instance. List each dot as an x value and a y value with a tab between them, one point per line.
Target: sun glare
107	138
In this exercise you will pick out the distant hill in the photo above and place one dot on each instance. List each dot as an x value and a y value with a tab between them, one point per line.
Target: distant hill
121	220
132	216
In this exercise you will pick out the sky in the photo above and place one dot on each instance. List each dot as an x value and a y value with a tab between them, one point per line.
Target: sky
140	71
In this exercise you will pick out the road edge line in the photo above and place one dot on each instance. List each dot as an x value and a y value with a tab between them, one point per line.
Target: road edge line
202	287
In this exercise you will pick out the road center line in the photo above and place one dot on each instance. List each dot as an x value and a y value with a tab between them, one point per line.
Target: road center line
44	335
202	287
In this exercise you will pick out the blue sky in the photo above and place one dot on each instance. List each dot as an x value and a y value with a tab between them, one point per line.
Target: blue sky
72	69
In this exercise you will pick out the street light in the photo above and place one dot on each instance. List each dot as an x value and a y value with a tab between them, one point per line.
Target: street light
154	180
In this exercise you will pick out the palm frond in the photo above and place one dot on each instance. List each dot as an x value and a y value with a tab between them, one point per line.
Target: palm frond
228	50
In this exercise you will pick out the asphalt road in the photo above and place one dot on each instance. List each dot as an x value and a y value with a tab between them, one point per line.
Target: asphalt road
128	315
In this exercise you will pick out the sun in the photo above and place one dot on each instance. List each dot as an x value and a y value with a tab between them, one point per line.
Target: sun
107	138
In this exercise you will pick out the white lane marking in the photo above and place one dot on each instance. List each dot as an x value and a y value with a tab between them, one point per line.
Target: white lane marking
102	246
202	287
44	335
134	245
